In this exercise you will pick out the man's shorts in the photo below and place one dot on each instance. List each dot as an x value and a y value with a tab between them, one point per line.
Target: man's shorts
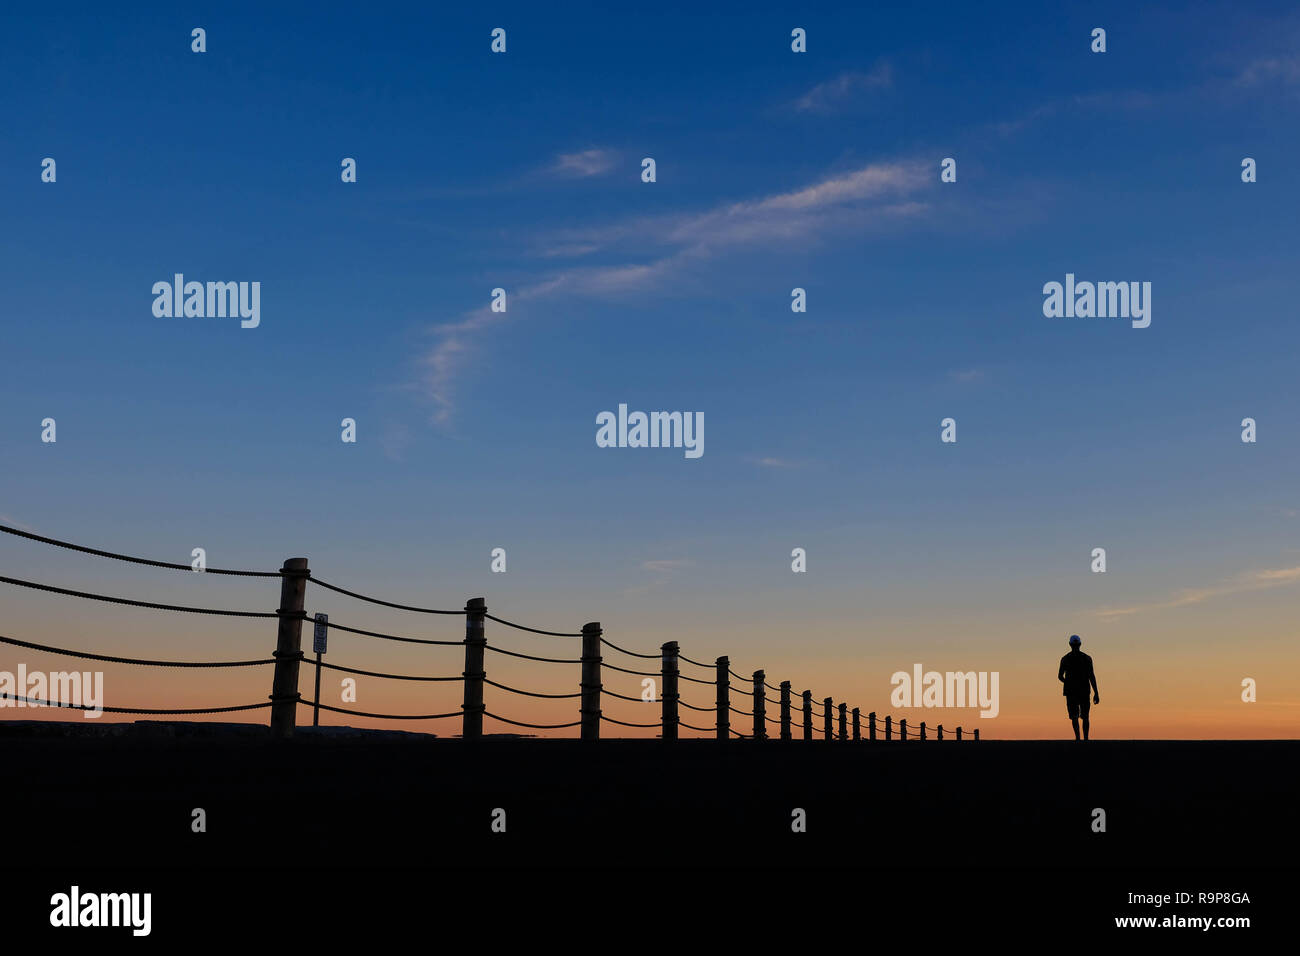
1078	705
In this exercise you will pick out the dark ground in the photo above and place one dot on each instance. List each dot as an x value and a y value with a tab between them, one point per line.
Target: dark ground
997	822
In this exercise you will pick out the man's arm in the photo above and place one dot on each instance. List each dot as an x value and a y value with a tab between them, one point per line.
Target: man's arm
1060	671
1092	679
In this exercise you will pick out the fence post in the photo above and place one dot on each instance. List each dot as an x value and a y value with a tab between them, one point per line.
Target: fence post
668	670
902	729
888	729
923	730
288	647
760	708
844	721
807	715
724	699
857	724
591	681
959	733
871	724
475	641
938	732
785	710
827	711
977	734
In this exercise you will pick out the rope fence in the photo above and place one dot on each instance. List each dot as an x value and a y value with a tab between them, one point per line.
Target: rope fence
798	714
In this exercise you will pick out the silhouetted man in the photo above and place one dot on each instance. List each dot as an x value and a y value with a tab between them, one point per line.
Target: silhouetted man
1077	676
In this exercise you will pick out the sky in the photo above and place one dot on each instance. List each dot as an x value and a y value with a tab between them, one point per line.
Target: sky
476	429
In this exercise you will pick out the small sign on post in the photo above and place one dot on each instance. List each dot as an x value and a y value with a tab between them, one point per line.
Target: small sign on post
318	645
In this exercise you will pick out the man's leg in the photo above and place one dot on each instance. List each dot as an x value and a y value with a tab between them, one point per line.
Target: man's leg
1072	709
1084	708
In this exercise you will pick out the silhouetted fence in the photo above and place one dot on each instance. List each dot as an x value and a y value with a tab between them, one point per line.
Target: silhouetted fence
285	697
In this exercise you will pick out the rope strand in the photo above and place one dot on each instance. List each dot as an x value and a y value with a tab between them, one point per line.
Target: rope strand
148	604
126	557
518	723
532	630
133	710
373	600
131	660
529	657
621	650
353	670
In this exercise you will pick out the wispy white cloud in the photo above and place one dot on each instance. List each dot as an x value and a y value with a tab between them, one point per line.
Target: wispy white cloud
1281	70
15	523
666	565
1101	101
663	569
772	462
837	201
567	250
1270	69
1017	123
969	376
1248	581
835	93
872	195
588	162
394	440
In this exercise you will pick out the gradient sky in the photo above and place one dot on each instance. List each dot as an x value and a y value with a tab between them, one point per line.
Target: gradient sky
775	170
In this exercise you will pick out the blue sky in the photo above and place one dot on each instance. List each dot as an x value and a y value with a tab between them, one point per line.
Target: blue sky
775	170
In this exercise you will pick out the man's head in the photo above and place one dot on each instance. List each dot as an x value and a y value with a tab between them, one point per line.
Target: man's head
1075	642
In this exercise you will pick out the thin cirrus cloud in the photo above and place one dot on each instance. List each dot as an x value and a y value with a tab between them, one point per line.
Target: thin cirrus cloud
666	566
663	570
835	94
1270	69
1259	71
1104	101
584	164
1249	581
15	523
873	195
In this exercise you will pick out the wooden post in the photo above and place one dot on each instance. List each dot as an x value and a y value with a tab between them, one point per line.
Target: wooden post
760	708
844	721
475	641
923	730
902	729
977	734
857	724
888	720
938	732
807	715
669	697
591	681
724	699
828	709
871	724
288	648
785	710
959	733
